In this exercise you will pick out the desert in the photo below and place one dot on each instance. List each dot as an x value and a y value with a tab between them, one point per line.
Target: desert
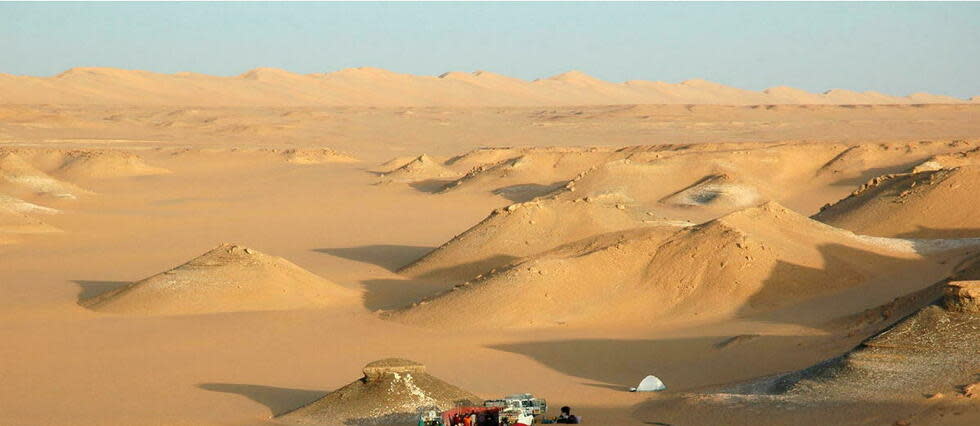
489	213
169	262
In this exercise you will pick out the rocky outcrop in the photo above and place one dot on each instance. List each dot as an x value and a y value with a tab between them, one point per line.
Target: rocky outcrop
392	391
962	296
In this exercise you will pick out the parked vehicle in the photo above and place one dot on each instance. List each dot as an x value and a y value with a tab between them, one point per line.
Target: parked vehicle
524	403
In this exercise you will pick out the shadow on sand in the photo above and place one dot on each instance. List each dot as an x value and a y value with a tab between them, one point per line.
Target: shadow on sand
941	233
683	364
279	400
388	256
384	294
90	289
431	186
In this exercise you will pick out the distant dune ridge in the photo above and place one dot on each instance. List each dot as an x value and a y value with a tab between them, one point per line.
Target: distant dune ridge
377	87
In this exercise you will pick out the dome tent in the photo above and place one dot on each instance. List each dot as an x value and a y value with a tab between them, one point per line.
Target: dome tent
650	384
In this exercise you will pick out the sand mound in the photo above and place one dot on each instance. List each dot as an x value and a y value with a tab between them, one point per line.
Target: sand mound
419	168
750	261
482	157
104	164
19	176
517	231
393	164
317	156
20	206
931	204
932	349
226	279
651	186
864	161
543	168
883	380
392	391
950	160
13	221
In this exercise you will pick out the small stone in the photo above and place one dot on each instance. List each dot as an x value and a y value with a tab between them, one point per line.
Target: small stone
972	390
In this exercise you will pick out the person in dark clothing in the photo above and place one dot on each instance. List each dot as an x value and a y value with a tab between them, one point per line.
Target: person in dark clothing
566	416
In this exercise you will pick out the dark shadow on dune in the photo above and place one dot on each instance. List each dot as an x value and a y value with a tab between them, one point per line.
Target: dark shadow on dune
941	233
385	294
528	191
431	186
869	174
90	289
886	378
464	271
683	364
823	297
393	294
279	400
613	387
388	256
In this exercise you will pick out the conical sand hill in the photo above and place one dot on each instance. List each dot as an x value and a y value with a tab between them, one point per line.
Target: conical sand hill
228	278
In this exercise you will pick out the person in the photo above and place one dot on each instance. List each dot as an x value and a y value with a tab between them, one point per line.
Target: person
566	416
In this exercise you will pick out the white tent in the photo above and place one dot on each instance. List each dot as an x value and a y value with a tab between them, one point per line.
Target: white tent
650	384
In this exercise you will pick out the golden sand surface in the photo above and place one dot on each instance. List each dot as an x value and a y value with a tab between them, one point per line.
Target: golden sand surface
566	251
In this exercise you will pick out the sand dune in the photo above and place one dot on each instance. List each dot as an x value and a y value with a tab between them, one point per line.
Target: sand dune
317	156
929	204
950	160
632	187
750	261
392	391
517	231
228	278
13	221
372	86
546	168
17	176
418	168
103	164
916	372
580	282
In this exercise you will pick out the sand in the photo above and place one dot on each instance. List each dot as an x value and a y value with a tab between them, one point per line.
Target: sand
375	87
228	278
912	373
573	221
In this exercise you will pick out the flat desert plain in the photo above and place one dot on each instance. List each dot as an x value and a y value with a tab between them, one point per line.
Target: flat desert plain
194	250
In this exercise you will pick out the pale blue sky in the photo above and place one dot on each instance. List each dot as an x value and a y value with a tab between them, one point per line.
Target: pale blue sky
896	48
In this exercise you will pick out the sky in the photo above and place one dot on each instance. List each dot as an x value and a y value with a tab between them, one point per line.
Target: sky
895	48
